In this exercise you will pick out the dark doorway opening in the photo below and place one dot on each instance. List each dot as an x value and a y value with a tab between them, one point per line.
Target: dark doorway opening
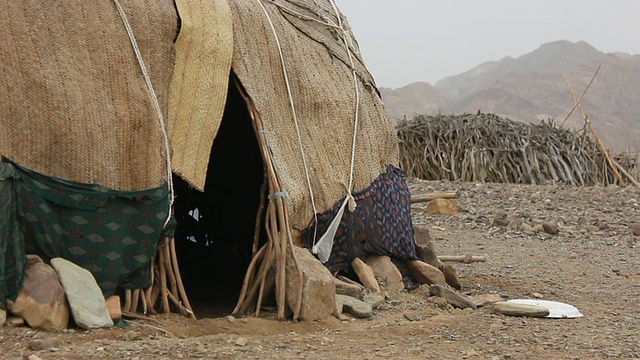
215	231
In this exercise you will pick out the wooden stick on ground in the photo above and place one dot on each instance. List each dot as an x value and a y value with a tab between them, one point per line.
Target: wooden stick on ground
432	196
462	258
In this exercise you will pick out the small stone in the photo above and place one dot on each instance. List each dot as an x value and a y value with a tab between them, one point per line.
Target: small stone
424	273
411	316
537	228
15	321
501	219
635	229
526	228
355	307
513	309
33	357
442	207
241	341
3	316
452	297
44	344
365	274
451	276
244	320
231	319
131	335
373	299
537	295
345	286
550	228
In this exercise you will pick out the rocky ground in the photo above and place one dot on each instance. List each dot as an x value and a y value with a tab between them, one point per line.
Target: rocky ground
592	263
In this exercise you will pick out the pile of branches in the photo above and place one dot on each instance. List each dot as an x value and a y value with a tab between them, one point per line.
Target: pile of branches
486	147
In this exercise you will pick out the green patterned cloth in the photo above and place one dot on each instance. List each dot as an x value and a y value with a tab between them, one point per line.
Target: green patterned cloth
13	260
113	234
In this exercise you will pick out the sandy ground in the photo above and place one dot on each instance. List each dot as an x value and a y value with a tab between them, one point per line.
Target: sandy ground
592	263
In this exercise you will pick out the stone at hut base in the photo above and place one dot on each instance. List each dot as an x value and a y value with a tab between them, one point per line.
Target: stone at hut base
427	254
114	307
365	274
451	276
41	302
3	317
15	321
442	207
352	289
421	236
354	307
452	297
374	299
512	309
84	295
318	289
33	259
424	273
386	270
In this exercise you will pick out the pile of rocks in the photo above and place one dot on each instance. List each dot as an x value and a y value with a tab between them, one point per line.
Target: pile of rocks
57	294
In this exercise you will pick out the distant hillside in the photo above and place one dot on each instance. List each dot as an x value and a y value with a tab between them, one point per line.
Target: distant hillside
531	87
418	98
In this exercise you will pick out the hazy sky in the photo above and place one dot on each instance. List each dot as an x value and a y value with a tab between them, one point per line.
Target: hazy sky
404	41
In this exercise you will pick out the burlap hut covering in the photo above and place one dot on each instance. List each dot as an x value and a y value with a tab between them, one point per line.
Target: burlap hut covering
199	84
74	103
324	97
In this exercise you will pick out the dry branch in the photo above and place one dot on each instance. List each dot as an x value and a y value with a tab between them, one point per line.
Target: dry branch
432	196
486	147
462	258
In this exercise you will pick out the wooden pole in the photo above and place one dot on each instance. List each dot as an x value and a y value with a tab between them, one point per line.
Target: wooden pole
462	258
432	196
588	122
577	102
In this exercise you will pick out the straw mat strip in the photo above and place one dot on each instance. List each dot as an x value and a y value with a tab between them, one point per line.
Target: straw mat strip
74	102
324	96
199	84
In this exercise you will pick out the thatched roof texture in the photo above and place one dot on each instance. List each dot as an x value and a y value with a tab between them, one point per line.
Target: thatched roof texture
321	82
74	102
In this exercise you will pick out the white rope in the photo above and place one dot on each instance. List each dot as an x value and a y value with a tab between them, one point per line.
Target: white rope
156	105
293	110
357	88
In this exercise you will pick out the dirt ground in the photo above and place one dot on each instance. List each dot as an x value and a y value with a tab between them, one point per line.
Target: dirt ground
592	263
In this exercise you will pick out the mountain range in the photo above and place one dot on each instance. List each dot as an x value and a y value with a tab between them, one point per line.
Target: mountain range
532	87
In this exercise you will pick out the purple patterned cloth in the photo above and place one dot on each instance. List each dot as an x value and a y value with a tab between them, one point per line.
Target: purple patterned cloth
381	224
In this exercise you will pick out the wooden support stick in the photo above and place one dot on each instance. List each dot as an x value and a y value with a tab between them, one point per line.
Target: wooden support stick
588	122
181	290
432	196
576	102
163	281
625	173
462	258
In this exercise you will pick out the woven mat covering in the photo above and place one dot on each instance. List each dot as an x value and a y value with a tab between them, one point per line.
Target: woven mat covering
324	97
73	98
204	50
